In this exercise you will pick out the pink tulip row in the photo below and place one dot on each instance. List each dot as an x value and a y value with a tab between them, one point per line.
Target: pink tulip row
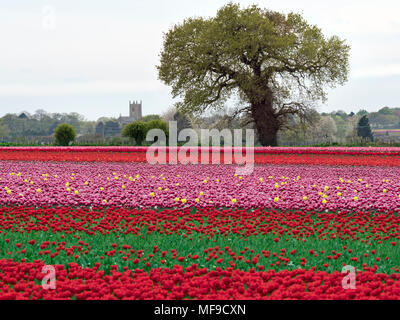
138	184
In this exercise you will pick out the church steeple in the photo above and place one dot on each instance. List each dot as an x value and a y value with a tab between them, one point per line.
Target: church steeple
135	110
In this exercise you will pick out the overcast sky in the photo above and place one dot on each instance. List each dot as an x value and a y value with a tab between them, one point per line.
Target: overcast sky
93	56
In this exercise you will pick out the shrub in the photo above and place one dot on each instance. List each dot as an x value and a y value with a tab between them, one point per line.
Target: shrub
64	134
136	130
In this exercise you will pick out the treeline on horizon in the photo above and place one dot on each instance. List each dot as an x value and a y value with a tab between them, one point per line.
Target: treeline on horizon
337	127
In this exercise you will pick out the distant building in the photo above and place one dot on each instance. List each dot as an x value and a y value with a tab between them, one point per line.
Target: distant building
108	129
135	113
113	128
100	129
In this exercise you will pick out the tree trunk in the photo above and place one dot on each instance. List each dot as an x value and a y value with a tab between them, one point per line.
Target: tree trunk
266	123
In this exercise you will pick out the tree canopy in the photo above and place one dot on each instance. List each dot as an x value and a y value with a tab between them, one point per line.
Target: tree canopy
276	64
135	130
150	117
138	129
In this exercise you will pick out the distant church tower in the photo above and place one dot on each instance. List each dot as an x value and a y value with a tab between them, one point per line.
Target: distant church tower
135	110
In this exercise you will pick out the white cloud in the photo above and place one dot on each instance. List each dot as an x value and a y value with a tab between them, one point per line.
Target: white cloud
80	88
112	47
377	71
96	48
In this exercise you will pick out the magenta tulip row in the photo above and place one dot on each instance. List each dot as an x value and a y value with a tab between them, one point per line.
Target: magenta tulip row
139	184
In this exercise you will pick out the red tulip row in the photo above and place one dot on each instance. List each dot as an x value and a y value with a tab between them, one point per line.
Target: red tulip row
318	157
227	238
22	280
295	150
206	222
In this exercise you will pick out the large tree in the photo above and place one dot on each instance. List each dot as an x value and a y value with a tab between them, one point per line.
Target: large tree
276	64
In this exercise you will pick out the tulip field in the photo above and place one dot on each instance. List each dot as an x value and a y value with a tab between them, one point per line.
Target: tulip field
116	227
